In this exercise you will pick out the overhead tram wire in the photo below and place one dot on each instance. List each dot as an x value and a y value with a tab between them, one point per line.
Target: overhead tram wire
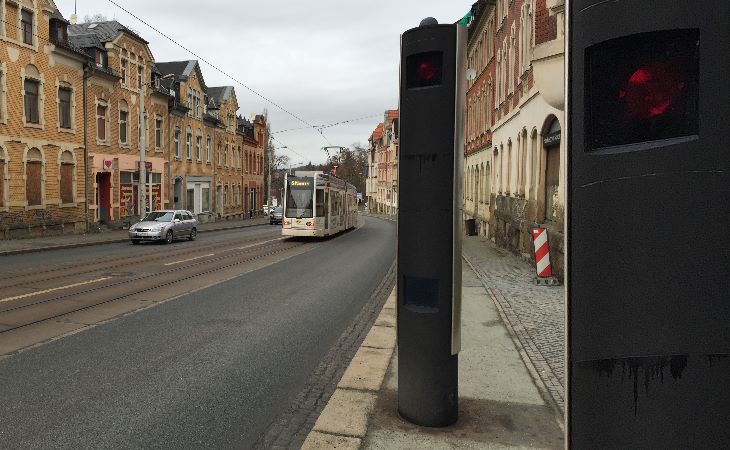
329	125
289	148
221	70
47	40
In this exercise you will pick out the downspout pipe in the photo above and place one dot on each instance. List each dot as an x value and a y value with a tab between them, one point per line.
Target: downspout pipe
88	71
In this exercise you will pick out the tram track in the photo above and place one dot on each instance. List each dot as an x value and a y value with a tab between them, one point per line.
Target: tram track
88	298
34	276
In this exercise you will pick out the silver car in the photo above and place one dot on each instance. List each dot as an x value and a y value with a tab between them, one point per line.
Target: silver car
165	225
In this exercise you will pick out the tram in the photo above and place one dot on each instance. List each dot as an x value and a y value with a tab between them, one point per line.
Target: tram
317	204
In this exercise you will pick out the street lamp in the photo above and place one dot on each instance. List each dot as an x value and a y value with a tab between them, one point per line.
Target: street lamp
297	164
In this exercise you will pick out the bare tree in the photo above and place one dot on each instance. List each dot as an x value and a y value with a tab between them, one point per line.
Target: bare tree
98	17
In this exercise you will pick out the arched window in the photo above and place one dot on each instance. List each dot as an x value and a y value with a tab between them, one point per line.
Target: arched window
207	150
66	179
552	172
487	184
523	162
199	146
497	171
34	177
508	187
188	144
535	167
518	164
476	185
177	143
482	183
3	176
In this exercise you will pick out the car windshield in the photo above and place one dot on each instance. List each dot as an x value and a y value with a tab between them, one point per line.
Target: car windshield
278	210
159	216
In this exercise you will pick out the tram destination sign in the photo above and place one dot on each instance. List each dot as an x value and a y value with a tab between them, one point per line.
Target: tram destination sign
300	183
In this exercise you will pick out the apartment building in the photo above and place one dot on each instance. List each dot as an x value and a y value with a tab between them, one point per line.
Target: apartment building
42	161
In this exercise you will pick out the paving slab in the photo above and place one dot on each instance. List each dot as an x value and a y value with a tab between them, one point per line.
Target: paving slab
367	369
380	337
534	314
346	413
318	441
386	318
499	404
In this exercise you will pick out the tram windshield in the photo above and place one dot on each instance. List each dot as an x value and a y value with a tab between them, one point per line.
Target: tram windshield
299	197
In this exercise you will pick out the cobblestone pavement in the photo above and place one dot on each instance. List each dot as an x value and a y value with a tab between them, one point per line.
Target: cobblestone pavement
535	313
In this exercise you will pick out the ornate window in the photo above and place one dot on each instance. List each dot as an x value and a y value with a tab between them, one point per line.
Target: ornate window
3	178
101	121
158	132
199	146
189	144
26	26
65	96
177	143
66	179
123	123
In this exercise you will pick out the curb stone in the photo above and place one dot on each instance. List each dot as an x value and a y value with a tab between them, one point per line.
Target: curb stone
105	241
343	422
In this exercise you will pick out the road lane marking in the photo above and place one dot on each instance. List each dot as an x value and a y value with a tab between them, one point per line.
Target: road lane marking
189	259
31	294
261	243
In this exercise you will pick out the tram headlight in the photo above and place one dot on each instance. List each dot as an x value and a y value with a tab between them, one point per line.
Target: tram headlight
310	223
286	222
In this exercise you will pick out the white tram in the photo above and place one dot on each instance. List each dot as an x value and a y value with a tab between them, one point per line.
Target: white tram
317	204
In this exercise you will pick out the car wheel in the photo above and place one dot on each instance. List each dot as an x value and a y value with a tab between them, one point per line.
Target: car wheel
193	234
169	237
135	241
271	222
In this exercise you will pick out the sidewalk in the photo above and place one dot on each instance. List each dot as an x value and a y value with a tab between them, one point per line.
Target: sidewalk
534	314
500	403
15	246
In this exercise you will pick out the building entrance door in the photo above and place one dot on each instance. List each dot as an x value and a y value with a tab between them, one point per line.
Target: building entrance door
104	186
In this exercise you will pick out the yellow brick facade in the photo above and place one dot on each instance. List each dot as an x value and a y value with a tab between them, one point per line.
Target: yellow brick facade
229	162
115	146
25	145
203	160
253	177
191	167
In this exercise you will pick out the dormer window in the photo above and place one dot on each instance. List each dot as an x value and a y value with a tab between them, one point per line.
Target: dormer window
58	32
100	58
26	26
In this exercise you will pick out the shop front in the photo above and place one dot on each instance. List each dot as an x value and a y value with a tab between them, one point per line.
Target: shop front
117	187
198	197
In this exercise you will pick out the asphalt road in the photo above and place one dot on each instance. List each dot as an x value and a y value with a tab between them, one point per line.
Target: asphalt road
210	369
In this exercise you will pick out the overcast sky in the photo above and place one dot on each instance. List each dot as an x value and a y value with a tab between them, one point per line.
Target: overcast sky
323	60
